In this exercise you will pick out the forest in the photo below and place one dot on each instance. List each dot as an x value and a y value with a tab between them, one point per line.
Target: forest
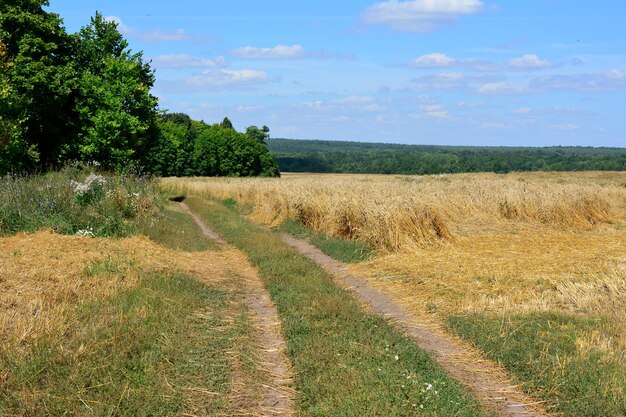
86	97
382	158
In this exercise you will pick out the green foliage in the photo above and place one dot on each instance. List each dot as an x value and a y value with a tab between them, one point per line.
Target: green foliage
116	111
70	97
188	147
86	97
379	158
540	350
37	86
71	203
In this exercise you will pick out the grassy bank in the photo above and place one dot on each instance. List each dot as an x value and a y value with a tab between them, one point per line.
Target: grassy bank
76	201
547	353
346	361
123	327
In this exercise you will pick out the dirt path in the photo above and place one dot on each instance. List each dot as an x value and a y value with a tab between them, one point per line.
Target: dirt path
487	380
277	394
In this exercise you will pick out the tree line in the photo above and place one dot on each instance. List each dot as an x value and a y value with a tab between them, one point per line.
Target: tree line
87	97
377	158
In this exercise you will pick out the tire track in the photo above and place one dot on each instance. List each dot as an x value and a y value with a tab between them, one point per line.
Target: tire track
277	394
487	380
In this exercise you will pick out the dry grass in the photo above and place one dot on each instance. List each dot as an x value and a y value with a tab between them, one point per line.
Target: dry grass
408	212
456	244
44	277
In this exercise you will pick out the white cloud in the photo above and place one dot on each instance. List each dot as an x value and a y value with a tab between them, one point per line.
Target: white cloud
359	103
419	15
564	127
245	108
351	100
491	125
277	52
434	60
153	36
608	81
501	87
451	81
431	111
529	62
522	110
222	79
187	61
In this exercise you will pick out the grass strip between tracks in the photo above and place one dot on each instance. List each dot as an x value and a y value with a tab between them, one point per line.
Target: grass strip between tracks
346	361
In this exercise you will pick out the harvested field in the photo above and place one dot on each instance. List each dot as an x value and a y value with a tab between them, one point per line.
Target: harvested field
124	327
531	268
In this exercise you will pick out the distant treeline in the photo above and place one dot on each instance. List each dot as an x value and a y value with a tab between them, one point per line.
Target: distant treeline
379	158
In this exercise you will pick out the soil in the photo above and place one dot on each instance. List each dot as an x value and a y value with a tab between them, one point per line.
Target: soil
486	379
277	394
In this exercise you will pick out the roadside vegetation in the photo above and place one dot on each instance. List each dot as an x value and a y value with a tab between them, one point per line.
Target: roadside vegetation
93	326
527	267
77	201
346	361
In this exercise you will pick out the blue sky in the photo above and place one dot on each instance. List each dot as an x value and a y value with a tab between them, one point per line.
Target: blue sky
458	72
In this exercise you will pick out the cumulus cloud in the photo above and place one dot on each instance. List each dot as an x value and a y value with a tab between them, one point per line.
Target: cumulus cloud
529	62
216	80
609	81
153	35
431	111
419	16
564	127
187	61
434	60
359	103
277	52
451	81
501	87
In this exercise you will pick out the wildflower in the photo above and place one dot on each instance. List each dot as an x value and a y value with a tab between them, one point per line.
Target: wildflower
397	357
88	232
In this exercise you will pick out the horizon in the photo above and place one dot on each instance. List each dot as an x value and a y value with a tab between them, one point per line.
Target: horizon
443	73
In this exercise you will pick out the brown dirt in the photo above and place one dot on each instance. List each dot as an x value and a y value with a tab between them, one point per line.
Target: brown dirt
277	394
487	380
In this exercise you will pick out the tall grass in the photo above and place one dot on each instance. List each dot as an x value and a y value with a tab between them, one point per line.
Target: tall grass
76	201
396	213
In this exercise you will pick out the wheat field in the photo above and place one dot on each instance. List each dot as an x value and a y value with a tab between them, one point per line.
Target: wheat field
457	244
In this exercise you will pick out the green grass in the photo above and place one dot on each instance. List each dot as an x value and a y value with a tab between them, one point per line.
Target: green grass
540	350
134	354
340	249
347	362
176	230
52	201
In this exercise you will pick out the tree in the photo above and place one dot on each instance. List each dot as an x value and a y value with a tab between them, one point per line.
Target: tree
227	124
117	113
37	85
260	135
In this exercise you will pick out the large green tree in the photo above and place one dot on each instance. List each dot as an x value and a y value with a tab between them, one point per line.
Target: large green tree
117	113
37	85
